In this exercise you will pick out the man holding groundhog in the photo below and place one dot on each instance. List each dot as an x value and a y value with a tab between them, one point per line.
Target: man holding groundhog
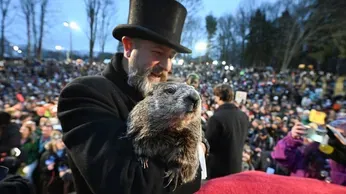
93	110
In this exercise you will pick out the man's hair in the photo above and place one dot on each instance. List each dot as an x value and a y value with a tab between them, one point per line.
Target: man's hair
224	92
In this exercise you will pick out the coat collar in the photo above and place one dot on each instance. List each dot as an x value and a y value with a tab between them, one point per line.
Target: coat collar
116	73
226	106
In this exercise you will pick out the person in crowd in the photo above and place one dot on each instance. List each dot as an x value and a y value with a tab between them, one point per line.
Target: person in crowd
262	141
94	118
56	176
193	80
304	159
247	160
46	131
226	133
30	152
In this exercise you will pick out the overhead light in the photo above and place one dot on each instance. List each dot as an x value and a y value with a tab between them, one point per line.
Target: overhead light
59	48
74	25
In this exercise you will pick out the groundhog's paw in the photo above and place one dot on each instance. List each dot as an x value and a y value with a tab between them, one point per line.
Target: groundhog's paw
173	176
144	162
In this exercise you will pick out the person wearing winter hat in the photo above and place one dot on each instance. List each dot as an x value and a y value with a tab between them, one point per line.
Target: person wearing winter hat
193	80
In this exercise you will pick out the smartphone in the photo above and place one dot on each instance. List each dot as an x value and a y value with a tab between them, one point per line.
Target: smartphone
315	133
337	134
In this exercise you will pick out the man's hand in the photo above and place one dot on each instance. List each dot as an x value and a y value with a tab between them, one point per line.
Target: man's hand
258	150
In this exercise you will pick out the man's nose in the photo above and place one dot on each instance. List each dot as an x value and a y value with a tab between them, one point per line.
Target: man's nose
166	65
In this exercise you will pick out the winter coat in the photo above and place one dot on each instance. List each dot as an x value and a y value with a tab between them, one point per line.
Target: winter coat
29	151
13	184
226	133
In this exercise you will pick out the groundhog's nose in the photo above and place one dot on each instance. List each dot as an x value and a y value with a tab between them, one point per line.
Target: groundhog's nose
194	98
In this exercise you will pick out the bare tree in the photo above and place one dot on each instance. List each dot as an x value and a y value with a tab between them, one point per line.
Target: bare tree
192	27
242	22
27	11
226	39
33	23
4	13
107	11
92	10
309	20
43	11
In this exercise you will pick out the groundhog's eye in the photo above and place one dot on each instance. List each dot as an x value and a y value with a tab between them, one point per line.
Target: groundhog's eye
170	90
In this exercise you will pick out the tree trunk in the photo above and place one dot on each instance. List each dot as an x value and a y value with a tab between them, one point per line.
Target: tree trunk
2	37
91	51
34	29
41	32
28	33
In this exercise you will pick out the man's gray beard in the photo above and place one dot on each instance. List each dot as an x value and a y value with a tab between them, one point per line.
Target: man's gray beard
140	82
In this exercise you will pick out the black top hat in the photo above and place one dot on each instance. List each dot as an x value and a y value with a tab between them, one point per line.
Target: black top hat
161	21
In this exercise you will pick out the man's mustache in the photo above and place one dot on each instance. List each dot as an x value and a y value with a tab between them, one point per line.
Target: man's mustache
159	71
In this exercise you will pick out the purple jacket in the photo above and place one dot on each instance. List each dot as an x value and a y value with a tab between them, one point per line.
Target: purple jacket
292	154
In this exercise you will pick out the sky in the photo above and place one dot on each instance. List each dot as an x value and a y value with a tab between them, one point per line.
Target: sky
74	10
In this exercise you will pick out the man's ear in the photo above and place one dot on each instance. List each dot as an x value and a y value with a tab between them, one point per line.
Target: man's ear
128	46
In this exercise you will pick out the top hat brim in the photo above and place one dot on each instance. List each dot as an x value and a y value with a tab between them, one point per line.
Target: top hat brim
136	31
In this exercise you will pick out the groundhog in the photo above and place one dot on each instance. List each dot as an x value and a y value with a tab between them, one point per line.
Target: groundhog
166	126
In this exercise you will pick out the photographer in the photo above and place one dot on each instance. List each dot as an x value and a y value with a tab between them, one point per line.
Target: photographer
9	139
304	159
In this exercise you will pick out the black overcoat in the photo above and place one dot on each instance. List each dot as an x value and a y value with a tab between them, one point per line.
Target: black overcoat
226	133
93	111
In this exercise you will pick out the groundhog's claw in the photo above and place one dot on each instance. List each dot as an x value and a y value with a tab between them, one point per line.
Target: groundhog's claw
144	162
172	175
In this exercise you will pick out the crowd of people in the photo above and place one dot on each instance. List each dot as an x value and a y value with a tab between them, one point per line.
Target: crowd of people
277	106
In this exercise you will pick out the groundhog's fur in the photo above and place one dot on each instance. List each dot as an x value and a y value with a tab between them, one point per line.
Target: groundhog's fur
163	126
